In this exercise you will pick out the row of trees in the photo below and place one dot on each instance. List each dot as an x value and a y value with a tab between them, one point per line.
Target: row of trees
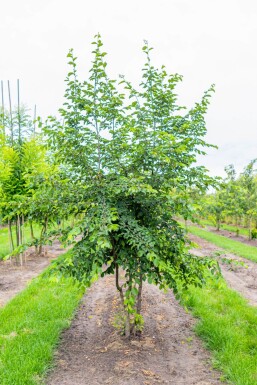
121	158
31	185
235	201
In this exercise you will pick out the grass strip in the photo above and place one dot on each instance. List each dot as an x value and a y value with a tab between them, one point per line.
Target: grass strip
30	326
235	247
228	325
242	230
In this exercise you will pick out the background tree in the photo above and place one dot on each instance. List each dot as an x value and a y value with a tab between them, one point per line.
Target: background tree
25	172
248	182
233	197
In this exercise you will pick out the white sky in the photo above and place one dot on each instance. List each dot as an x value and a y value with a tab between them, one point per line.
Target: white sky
206	41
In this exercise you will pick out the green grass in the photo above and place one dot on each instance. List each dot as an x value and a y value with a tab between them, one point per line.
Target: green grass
4	243
242	230
235	247
30	326
228	325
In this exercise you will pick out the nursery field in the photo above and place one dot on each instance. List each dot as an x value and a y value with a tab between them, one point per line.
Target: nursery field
99	283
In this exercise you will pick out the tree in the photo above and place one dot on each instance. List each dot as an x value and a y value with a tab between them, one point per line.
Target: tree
24	173
249	185
233	196
132	154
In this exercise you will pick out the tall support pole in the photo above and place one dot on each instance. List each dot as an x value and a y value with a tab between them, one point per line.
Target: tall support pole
19	115
35	117
3	117
10	109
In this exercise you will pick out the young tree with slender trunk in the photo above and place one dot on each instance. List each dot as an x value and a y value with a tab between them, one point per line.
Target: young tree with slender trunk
132	154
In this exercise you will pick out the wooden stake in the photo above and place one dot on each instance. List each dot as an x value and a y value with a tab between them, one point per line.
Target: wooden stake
10	109
2	92
35	117
19	116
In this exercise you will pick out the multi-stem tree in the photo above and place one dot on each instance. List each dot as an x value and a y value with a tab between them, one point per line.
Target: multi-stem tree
133	156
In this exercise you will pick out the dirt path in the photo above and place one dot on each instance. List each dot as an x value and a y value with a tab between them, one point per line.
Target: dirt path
240	273
91	352
14	278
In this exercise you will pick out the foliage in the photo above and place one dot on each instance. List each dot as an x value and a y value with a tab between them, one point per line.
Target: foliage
234	200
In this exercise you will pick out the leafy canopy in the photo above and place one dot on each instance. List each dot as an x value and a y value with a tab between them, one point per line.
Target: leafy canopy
131	153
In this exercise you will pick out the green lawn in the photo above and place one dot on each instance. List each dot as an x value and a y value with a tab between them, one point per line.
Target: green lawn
235	247
228	325
30	327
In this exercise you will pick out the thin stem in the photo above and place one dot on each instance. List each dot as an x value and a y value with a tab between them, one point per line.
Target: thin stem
119	288
139	295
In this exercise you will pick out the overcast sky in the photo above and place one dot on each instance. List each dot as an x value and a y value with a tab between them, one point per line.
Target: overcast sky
206	41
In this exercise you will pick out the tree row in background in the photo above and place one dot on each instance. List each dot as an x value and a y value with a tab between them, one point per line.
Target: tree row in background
32	187
234	201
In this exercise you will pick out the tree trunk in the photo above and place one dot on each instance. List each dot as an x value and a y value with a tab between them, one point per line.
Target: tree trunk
237	227
10	235
23	236
23	229
43	231
31	230
119	288
218	224
250	228
17	232
32	235
139	295
19	238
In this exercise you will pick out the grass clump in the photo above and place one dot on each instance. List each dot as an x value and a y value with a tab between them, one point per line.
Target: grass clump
235	247
228	325
30	326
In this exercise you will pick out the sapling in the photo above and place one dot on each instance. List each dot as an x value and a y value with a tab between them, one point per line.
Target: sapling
131	152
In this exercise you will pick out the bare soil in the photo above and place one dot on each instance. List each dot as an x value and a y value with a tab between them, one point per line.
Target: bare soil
92	352
240	273
14	278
